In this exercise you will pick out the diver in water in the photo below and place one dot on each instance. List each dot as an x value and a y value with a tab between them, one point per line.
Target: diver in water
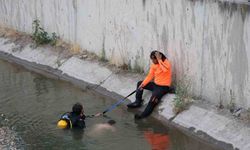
74	119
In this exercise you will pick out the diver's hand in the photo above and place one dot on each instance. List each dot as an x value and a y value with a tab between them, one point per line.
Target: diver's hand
98	114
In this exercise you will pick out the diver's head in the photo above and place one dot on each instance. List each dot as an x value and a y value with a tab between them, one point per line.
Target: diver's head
111	122
77	109
62	124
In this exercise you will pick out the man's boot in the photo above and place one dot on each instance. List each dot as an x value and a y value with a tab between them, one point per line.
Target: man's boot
148	110
135	104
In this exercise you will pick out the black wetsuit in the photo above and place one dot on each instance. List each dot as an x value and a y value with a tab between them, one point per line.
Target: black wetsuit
74	120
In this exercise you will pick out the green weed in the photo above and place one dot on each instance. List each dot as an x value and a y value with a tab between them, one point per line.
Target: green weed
40	36
182	98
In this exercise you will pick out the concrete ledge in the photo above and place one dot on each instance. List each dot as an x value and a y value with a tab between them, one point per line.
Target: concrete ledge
166	107
38	55
85	70
116	84
215	125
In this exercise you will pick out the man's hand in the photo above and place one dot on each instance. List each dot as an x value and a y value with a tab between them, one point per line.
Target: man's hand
158	55
141	87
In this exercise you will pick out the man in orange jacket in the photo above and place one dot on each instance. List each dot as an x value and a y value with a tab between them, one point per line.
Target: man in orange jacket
161	72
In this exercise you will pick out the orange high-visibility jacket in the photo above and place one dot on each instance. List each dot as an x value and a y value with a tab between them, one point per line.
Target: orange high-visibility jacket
161	72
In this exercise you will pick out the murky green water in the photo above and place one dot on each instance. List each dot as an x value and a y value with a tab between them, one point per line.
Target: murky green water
30	105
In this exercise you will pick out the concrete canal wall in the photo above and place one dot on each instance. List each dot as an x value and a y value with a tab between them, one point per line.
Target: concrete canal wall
206	40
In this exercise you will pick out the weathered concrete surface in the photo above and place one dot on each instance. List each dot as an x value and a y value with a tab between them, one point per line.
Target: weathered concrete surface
196	119
207	41
247	2
165	109
224	128
38	55
84	70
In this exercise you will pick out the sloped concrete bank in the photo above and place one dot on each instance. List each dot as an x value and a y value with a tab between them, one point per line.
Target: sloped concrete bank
201	120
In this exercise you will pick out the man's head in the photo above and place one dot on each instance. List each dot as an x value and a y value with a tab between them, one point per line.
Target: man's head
111	122
77	108
153	56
